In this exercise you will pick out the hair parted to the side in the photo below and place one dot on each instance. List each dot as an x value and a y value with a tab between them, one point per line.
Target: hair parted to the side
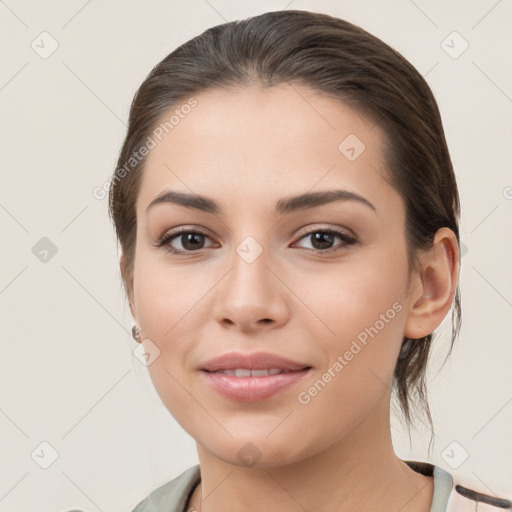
335	58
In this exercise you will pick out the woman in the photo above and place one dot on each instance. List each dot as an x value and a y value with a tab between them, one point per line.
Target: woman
288	217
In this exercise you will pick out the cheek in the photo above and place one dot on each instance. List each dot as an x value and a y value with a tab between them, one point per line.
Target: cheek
166	297
353	297
367	318
362	312
174	307
166	303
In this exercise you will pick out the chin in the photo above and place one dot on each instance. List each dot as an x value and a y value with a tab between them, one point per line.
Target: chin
256	452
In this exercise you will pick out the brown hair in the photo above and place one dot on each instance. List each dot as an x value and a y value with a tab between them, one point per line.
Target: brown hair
335	58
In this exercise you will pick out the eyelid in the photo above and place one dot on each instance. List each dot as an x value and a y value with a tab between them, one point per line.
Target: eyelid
337	230
347	239
172	234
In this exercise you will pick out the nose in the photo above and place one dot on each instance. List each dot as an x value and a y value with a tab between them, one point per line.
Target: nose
251	297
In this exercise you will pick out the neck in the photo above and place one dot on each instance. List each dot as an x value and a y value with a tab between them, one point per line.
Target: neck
358	472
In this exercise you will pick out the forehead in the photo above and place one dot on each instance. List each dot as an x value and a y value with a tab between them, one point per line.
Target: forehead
249	143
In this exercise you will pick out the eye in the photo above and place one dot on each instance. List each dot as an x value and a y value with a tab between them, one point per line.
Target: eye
189	240
322	240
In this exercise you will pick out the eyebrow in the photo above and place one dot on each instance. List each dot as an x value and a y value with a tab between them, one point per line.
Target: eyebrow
283	206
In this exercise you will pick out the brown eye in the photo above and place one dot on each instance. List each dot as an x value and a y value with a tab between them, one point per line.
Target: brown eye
189	241
322	240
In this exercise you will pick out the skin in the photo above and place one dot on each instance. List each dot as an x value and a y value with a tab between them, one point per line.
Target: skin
247	149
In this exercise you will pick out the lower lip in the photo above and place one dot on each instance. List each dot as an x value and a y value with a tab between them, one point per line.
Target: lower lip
252	389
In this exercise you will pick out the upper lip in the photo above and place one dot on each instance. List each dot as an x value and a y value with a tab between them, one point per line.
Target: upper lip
256	361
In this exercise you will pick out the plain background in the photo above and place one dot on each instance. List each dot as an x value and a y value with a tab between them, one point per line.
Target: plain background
67	373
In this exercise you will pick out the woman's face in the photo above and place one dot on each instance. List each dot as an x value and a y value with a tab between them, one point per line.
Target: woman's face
264	273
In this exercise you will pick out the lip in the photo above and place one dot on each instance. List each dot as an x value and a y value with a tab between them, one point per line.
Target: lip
256	361
252	389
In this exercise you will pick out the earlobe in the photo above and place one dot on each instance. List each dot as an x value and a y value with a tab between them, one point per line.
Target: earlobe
438	279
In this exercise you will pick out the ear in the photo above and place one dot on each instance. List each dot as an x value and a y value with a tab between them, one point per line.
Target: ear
128	284
433	287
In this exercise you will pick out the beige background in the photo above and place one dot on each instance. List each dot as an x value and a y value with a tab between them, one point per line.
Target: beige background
67	374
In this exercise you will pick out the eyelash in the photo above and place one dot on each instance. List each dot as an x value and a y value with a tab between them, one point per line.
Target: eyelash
166	238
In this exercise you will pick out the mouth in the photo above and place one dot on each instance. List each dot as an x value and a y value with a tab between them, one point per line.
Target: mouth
252	377
246	372
240	362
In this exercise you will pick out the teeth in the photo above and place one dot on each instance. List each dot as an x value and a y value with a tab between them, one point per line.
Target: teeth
245	372
259	373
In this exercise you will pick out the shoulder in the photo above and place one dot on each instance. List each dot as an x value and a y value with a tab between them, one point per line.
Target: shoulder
173	495
452	494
